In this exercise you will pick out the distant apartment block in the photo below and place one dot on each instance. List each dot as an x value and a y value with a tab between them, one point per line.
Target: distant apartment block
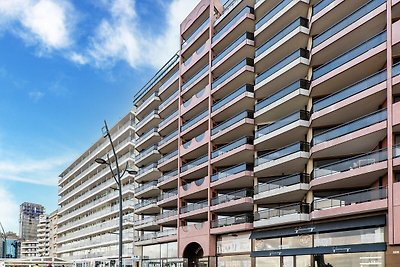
29	214
272	138
87	223
53	229
29	249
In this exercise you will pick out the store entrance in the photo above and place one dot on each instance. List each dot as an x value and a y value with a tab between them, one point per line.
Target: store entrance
193	252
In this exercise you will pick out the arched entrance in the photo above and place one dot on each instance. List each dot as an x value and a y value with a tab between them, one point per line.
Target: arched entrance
193	252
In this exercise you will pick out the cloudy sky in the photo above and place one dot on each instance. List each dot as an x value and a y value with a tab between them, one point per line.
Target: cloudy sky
65	65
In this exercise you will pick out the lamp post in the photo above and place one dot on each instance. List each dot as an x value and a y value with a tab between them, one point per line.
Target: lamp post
5	241
117	177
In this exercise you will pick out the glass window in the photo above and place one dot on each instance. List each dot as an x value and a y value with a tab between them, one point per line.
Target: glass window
268	262
376	259
363	236
173	250
301	241
234	243
303	261
267	244
234	261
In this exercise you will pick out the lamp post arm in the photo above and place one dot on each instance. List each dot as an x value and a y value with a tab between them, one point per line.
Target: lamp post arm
115	154
112	172
126	168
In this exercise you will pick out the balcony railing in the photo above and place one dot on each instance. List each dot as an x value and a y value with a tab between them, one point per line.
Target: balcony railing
145	186
146	135
147	118
168	100
231	121
231	171
167	194
145	203
282	152
168	157
197	182
187	124
155	235
296	116
396	69
167	176
231	146
169	118
349	55
300	84
280	65
353	17
223	198
197	52
350	127
232	46
280	211
194	163
246	10
355	197
196	32
167	214
280	35
148	100
170	79
194	206
396	151
245	88
147	168
167	138
228	74
321	5
145	221
298	178
232	220
146	152
195	77
351	90
195	96
272	13
351	163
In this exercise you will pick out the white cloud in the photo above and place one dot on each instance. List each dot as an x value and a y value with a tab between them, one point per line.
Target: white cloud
9	211
36	95
46	23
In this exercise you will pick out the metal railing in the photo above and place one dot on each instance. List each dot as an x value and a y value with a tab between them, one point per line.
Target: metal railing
232	220
223	198
145	186
282	152
230	73
231	171
298	178
280	211
231	146
194	206
231	121
194	163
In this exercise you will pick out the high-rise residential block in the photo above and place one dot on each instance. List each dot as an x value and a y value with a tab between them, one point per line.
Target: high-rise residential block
272	138
29	249
43	236
53	220
29	214
88	213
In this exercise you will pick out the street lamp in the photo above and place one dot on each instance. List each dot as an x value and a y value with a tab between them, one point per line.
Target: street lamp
5	241
117	177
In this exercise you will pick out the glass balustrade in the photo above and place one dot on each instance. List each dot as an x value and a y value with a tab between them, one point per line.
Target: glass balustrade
232	46
298	178
231	121
231	146
194	206
279	7
223	198
282	152
167	101
194	163
187	124
193	36
222	102
230	73
222	174
165	121
195	77
280	211
232	220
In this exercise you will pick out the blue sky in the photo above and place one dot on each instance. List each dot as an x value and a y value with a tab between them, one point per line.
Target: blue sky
65	65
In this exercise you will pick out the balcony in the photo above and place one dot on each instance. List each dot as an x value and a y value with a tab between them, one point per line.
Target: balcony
199	31
357	63
170	83
285	101
236	201
168	198
147	173
149	121
156	237
168	161
195	147
281	132
197	210
363	23
290	38
195	189
286	214
242	98
193	127
149	104
233	128
197	103
167	217
240	74
147	156
195	168
228	154
286	160
226	34
147	190
195	79
360	170
147	139
242	47
352	102
280	16
168	143
168	180
396	156
232	224
240	175
147	224
198	58
169	105
169	123
147	206
290	188
289	69
358	136
362	201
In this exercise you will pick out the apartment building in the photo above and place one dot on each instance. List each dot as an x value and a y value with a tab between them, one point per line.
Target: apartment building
29	249
272	138
43	236
88	213
53	220
29	214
